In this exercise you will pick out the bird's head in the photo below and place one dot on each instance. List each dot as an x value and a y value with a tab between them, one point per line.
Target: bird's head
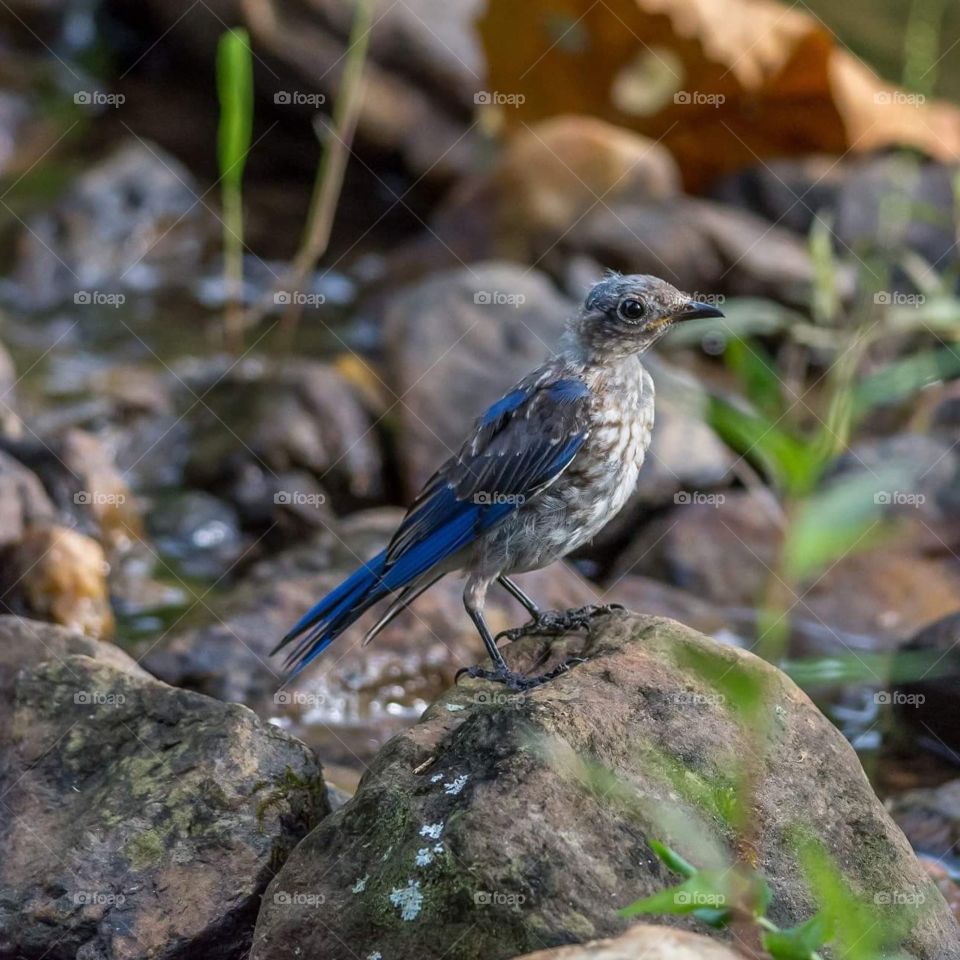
623	315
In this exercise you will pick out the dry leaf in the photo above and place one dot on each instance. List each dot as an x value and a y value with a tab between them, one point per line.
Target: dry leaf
723	83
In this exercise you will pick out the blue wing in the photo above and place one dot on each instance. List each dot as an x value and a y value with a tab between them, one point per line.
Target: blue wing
519	446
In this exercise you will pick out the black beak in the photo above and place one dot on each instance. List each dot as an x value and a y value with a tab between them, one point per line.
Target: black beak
695	310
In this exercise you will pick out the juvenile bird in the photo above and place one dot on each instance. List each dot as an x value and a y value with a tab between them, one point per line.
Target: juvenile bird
542	472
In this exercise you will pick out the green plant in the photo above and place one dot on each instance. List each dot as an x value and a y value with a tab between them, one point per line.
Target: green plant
235	92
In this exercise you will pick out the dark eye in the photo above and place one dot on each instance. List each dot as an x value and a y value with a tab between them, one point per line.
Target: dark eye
631	309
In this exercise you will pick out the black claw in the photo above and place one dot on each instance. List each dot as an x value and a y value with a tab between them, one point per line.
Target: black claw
517	681
556	622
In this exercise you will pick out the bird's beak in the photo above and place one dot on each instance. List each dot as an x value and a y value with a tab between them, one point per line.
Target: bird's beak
695	310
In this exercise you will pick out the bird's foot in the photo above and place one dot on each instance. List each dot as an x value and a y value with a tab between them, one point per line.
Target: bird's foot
518	681
558	622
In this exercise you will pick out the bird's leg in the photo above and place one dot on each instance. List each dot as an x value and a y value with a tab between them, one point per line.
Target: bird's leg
550	622
473	597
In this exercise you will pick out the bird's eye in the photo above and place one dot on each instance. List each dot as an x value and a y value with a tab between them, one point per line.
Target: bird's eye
631	309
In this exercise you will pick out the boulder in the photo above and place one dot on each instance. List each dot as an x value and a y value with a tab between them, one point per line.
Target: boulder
139	821
506	822
58	574
23	500
642	941
270	419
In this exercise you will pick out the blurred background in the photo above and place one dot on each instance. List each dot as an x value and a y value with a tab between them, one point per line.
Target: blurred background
263	263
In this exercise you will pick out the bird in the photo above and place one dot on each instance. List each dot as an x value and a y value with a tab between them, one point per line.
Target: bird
541	473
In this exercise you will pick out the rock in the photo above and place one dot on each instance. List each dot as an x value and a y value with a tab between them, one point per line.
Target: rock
357	696
79	473
486	831
700	246
130	222
930	818
140	821
642	941
57	574
946	883
723	547
27	643
268	419
23	500
547	177
199	532
455	342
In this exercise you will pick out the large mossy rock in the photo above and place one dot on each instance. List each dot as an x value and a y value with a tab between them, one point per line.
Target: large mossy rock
136	820
507	823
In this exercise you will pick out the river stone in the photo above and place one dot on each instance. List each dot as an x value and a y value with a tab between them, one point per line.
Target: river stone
642	942
271	419
138	820
484	832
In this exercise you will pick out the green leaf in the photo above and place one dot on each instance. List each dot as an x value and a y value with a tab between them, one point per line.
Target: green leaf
757	372
235	90
673	859
799	943
793	465
903	378
705	889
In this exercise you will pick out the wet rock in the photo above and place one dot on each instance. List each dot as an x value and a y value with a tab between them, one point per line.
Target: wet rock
363	694
724	547
269	419
455	342
140	821
199	532
438	849
130	222
55	573
23	500
548	177
646	941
